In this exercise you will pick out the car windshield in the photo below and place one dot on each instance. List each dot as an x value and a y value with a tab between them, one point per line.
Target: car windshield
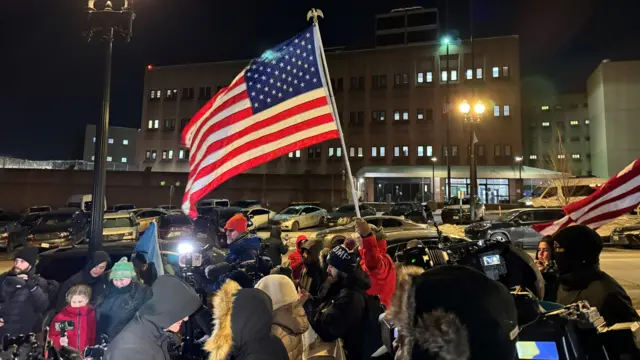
537	192
117	222
346	208
56	219
508	215
456	201
39	209
178	220
290	211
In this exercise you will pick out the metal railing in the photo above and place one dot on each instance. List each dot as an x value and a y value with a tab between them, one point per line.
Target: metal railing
14	163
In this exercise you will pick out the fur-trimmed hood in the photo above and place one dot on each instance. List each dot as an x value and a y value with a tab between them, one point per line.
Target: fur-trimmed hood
242	321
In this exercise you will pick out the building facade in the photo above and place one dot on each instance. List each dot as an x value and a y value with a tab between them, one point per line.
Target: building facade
613	94
557	126
121	147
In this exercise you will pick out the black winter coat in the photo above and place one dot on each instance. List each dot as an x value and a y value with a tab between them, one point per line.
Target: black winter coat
273	247
22	303
97	284
342	314
118	307
613	303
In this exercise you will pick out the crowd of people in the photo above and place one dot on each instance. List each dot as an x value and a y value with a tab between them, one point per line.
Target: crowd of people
320	303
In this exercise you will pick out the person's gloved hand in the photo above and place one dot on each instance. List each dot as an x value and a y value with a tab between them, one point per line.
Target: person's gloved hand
362	227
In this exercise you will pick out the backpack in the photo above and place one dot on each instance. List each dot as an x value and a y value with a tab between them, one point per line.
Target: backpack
373	334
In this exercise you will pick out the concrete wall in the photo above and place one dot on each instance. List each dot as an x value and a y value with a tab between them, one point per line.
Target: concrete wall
22	188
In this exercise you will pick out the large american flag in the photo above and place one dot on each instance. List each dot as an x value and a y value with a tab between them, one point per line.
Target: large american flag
618	196
278	104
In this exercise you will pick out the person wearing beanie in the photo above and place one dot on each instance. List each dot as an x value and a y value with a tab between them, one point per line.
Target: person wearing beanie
376	262
341	310
437	321
124	295
93	275
274	248
295	258
243	320
289	319
23	295
577	254
243	246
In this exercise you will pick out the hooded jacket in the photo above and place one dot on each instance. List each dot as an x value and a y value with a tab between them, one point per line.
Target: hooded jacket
378	264
341	314
22	303
119	306
313	275
295	258
274	248
144	337
97	284
245	248
242	322
83	333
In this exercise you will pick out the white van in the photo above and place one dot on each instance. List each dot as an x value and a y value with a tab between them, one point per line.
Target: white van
83	202
560	192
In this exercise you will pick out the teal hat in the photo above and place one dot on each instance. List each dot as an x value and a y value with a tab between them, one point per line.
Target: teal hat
123	269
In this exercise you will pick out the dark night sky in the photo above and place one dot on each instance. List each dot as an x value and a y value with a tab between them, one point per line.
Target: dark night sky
51	79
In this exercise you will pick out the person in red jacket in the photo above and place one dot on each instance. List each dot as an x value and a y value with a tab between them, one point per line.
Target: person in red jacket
376	262
295	258
75	325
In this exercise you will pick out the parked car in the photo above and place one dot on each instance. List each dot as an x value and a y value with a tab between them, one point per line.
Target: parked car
299	217
345	214
514	226
392	224
10	231
559	192
259	217
83	202
452	214
64	227
168	207
120	226
246	204
39	209
175	226
120	207
627	236
146	217
213	202
411	210
211	221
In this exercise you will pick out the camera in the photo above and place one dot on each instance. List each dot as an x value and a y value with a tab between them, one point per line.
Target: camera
188	258
64	326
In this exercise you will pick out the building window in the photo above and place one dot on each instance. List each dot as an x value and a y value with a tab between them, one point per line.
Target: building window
586	122
495	72
405	151
507	150
454	75
405	79
420	78
156	124
150	126
147	155
181	154
533	157
378	115
374	151
396	151
396	115
429	150
360	152
295	154
109	158
183	123
420	151
379	81
479	73
429	76
352	152
123	160
574	122
93	158
443	76
575	156
154	154
172	94
561	156
405	116
382	151
357	83
396	79
505	71
496	110
94	139
454	150
480	150
170	154
420	115
169	124
187	93
338	152
496	150
331	151
558	107
544	107
164	154
545	124
110	141
125	142
469	74
152	94
506	110
445	153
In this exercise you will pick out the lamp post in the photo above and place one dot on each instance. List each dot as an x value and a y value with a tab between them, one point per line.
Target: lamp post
518	160
472	118
433	176
446	40
103	26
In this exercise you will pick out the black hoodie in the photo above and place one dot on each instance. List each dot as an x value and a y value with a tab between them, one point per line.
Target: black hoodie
97	284
145	338
273	246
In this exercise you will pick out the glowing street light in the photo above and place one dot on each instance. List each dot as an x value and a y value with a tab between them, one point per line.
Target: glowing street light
518	160
479	108
465	107
446	40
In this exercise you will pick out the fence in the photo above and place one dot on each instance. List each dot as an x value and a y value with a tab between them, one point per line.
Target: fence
14	163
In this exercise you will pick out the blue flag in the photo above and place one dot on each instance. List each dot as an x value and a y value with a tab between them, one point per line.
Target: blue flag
148	245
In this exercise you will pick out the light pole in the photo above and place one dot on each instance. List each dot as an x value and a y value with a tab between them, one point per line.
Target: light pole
446	40
103	25
472	118
433	176
518	160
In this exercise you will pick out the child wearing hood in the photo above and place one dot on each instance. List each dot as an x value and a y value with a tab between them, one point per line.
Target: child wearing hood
289	320
78	311
295	258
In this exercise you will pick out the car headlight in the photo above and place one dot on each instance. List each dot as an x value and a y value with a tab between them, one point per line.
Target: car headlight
129	234
528	203
4	235
63	234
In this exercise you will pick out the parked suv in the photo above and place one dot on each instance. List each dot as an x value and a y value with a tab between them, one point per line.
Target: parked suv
58	228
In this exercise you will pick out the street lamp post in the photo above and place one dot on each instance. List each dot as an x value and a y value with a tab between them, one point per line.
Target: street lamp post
433	176
103	25
472	118
518	160
446	41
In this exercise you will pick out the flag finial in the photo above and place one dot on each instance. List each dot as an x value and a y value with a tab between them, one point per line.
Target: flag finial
314	13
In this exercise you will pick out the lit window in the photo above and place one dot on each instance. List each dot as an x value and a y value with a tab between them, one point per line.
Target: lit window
454	75
374	151
469	75
405	115
545	124
495	72
382	115
94	139
93	158
396	151
396	115
560	156
574	122
124	160
405	151
496	110
429	76
506	110
586	122
181	154
170	154
575	156
420	151
164	154
150	124
156	124
352	151
339	152
454	150
110	141
479	73
360	153
429	150
420	115
125	142
382	151
297	153
443	76
290	154
330	152
533	157
154	154
420	78
505	71
109	158
544	107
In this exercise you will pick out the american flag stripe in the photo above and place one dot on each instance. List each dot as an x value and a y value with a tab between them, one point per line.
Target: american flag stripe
278	104
618	196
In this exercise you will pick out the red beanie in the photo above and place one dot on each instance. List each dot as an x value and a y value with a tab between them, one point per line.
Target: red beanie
238	223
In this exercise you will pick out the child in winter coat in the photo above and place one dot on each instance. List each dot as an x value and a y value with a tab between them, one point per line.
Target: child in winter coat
295	258
75	325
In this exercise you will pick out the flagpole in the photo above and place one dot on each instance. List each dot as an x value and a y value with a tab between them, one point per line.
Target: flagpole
314	13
